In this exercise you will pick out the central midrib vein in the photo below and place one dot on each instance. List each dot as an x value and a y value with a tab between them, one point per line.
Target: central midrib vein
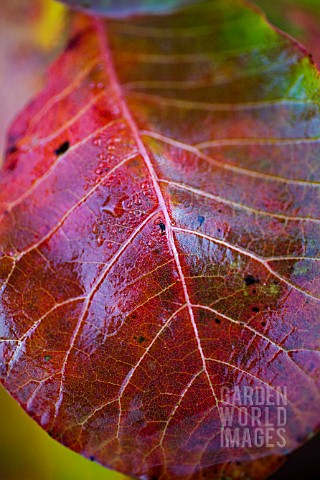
116	87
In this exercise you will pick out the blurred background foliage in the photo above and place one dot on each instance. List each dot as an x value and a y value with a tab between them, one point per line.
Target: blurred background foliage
32	32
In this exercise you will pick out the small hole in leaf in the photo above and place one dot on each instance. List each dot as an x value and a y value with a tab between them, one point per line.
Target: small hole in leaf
217	321
47	358
162	227
75	41
255	309
250	280
62	149
12	149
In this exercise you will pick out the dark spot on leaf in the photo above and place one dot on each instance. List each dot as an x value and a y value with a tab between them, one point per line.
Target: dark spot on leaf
162	227
217	321
255	309
311	58
263	324
62	149
200	220
75	41
250	280
91	458
11	149
140	339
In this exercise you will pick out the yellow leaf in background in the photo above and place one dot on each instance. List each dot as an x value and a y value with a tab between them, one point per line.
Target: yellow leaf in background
49	28
31	33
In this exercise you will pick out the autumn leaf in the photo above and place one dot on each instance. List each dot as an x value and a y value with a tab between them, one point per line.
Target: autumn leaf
159	242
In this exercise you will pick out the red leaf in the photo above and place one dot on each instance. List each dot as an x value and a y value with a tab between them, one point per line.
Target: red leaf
159	243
